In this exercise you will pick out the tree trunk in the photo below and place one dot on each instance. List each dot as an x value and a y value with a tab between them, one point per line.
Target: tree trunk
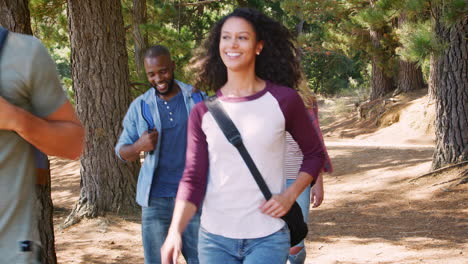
434	65
141	40
410	76
451	94
101	83
14	16
381	81
299	32
432	78
44	215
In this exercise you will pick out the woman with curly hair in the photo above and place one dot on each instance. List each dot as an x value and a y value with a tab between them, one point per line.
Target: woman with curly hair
251	64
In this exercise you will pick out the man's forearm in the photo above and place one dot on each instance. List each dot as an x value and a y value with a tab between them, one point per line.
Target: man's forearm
63	138
130	152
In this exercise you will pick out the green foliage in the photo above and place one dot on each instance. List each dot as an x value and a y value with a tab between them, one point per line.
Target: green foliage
61	56
328	59
178	26
418	41
49	23
453	10
334	42
418	38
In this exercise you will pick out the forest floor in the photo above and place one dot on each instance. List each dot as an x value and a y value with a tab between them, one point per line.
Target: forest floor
377	208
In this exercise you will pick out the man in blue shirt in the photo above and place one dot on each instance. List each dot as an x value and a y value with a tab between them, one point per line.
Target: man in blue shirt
156	123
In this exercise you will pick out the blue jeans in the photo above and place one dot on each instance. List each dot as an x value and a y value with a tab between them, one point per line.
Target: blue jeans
304	202
272	249
155	222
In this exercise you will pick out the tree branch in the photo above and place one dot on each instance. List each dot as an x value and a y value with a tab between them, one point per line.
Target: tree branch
199	3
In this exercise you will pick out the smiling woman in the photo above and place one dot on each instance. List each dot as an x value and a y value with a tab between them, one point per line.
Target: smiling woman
239	46
250	63
276	59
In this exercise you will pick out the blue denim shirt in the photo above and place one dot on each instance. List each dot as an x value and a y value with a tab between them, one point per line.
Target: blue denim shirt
134	125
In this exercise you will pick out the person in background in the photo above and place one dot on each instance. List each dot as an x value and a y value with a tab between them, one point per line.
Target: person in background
156	123
293	160
251	65
34	114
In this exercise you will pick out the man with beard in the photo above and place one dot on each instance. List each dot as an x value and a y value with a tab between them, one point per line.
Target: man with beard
156	123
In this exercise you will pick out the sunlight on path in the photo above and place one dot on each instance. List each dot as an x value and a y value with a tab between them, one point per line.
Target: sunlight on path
371	214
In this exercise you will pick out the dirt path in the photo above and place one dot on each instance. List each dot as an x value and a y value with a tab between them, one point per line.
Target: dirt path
371	213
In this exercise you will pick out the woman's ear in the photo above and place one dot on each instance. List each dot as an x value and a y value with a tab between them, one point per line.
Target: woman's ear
259	47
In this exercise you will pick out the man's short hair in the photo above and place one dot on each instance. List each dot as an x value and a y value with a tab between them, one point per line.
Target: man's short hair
156	51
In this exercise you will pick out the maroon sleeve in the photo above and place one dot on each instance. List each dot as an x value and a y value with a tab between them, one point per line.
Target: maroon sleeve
192	186
301	129
313	114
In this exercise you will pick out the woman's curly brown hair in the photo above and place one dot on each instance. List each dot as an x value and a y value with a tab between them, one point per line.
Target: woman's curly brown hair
277	62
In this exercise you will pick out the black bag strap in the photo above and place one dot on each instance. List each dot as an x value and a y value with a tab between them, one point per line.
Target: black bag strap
233	136
3	37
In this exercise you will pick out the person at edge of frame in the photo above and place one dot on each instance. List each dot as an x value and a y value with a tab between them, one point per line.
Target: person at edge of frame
35	117
293	159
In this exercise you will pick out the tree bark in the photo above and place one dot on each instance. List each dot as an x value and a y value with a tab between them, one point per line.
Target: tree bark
15	16
410	76
434	65
140	39
432	78
381	81
45	222
451	94
299	32
101	82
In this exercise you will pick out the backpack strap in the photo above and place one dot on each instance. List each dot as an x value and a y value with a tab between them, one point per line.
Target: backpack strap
146	113
197	97
3	37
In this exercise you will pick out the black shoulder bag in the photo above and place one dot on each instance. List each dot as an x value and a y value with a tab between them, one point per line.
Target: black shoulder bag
293	218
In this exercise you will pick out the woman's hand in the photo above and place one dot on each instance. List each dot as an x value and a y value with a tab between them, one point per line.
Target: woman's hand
171	248
278	205
317	193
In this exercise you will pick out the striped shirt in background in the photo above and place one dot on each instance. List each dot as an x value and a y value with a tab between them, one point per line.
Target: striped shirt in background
293	154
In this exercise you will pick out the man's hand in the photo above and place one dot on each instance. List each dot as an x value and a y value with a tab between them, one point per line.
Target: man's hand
147	141
8	115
